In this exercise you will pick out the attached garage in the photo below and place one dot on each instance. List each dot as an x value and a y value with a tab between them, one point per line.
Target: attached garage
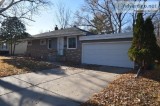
106	50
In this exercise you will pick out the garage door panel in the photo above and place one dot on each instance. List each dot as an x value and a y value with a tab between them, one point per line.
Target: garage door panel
112	54
105	52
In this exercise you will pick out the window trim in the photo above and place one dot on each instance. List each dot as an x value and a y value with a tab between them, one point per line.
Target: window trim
30	43
48	43
68	42
3	46
44	41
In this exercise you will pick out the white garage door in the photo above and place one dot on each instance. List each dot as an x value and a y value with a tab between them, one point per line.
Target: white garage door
111	54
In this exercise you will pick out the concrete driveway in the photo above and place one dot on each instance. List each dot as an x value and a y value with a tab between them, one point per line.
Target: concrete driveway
65	86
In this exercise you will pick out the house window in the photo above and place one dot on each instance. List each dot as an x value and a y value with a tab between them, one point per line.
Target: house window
72	43
42	42
29	43
49	44
4	46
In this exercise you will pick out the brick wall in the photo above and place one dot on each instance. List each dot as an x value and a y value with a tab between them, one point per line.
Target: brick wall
73	55
41	51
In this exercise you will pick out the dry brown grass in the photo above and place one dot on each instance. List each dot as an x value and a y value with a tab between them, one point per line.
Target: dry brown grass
19	65
128	91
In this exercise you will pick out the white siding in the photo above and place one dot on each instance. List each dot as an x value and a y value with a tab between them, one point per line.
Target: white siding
21	48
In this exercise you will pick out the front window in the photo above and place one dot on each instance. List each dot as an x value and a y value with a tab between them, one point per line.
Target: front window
4	46
72	43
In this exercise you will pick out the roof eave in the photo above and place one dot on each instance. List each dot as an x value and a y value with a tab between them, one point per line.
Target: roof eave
107	36
55	36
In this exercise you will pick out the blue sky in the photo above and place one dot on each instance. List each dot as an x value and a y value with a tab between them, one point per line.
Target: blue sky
46	20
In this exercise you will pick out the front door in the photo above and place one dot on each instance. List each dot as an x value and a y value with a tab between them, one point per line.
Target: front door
60	45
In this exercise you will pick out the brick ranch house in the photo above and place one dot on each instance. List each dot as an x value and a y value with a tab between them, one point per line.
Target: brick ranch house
60	44
80	46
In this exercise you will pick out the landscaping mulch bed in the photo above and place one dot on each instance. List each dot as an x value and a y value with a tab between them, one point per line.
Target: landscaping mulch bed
20	65
130	91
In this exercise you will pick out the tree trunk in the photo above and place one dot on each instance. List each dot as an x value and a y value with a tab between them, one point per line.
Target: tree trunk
14	48
120	27
141	69
11	45
11	49
138	72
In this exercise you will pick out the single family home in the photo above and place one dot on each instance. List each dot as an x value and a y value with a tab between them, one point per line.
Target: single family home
80	46
63	44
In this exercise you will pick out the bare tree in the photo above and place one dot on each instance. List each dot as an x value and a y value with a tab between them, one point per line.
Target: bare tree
21	8
118	17
90	17
108	7
63	15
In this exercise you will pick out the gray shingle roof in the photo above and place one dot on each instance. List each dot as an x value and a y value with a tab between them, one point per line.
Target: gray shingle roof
63	32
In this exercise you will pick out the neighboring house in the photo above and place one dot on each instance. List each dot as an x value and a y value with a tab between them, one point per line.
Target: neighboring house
20	48
61	44
4	48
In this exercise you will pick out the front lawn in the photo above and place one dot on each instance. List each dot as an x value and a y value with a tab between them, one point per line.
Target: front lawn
19	65
128	91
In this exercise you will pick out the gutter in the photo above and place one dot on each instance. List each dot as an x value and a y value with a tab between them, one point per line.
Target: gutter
107	36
